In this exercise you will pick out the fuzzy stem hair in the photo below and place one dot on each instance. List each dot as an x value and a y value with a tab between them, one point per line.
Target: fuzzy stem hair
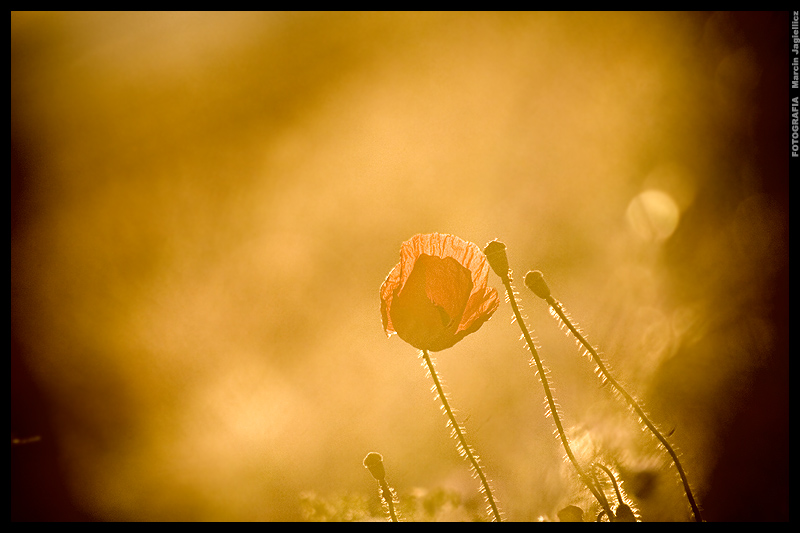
556	306
550	400
461	441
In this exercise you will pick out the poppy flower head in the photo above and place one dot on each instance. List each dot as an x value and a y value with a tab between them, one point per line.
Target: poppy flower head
437	294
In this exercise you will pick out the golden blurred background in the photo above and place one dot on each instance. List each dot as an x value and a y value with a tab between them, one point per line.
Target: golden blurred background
204	206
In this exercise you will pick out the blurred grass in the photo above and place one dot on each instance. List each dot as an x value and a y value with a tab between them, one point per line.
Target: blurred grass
204	206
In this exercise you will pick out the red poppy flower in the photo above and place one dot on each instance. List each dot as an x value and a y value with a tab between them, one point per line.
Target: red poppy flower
437	294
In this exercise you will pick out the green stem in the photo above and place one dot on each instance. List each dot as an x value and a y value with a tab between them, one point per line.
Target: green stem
551	402
557	307
462	441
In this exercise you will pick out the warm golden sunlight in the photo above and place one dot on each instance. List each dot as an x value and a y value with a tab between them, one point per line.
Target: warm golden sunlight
219	221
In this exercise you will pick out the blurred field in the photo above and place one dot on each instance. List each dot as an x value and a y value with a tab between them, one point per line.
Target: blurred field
204	206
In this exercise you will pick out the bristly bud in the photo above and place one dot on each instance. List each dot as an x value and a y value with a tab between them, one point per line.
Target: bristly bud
534	280
625	514
374	462
570	513
495	252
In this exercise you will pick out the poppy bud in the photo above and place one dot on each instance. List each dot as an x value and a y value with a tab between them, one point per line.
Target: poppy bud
495	252
374	462
625	514
570	513
534	280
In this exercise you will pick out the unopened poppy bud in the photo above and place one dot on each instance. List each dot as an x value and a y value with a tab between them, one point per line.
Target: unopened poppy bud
570	513
374	462
495	252
625	514
534	280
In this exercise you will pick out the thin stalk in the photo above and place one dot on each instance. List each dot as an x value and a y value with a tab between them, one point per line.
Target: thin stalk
539	287
624	512
374	463
551	402
388	498
613	481
461	439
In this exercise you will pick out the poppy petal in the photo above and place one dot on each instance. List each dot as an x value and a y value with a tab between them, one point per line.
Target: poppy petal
388	289
480	308
418	320
447	284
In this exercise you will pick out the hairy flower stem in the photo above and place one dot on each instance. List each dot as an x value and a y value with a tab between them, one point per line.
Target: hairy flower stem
388	498
551	402
613	481
539	287
374	462
624	512
461	439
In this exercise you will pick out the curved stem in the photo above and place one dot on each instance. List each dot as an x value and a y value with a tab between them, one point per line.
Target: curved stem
556	306
613	481
462	441
551	402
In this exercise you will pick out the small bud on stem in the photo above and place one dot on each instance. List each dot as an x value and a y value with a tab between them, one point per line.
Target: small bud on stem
498	259
374	462
496	255
534	280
